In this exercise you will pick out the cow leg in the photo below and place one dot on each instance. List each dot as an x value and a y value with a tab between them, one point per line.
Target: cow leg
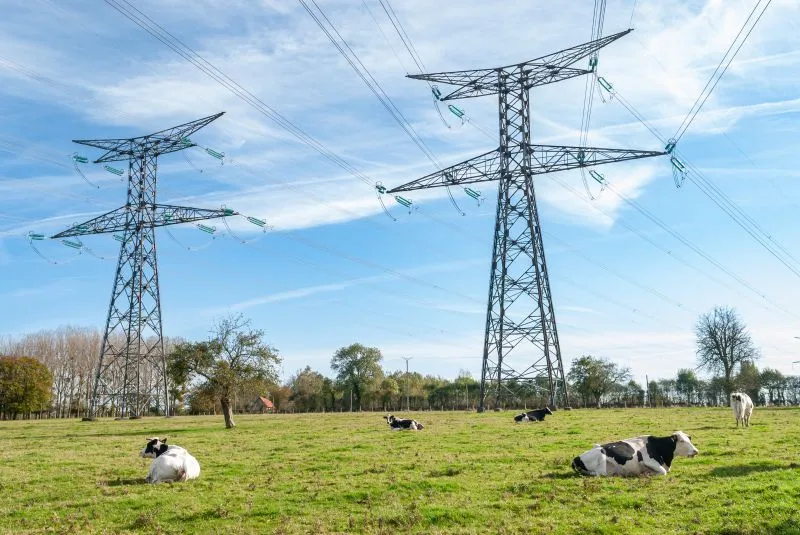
655	467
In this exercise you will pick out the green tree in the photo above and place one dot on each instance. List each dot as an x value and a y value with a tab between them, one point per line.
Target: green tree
775	383
357	367
234	355
389	389
308	390
686	384
749	380
593	377
25	386
723	343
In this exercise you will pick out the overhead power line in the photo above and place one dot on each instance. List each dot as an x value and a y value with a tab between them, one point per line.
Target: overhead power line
719	72
713	192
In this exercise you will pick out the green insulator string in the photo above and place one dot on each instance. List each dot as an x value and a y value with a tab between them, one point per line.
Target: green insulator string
78	159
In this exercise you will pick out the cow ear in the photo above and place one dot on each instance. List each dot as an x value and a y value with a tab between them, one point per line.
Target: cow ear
164	439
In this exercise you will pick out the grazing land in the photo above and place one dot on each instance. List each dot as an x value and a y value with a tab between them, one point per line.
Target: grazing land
348	473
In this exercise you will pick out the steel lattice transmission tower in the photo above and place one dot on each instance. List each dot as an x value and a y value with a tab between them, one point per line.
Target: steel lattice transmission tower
521	349
131	372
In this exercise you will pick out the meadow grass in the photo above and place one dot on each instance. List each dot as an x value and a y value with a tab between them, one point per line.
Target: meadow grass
348	473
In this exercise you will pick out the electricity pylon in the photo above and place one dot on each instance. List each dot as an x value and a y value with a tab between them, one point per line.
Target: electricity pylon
521	349
131	372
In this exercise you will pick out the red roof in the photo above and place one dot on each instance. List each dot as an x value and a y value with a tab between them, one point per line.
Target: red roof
267	403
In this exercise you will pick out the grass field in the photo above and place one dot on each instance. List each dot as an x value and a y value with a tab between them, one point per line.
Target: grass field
348	473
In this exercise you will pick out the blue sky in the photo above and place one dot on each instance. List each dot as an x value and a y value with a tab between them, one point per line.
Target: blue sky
335	269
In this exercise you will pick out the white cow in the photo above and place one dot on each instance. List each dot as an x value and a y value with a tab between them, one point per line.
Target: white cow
634	456
170	463
742	408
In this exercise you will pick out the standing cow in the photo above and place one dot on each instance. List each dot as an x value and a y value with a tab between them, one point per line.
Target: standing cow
634	456
742	407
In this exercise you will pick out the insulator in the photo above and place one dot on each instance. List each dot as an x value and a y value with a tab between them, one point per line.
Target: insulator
581	157
80	159
598	177
118	172
228	211
677	164
670	146
402	200
436	93
119	238
256	221
472	193
206	228
82	228
604	83
168	216
215	154
456	111
73	244
380	187
35	236
186	141
592	63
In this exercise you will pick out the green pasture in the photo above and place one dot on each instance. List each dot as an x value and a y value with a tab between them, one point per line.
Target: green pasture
348	473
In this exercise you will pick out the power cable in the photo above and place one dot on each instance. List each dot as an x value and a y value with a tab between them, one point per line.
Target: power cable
712	82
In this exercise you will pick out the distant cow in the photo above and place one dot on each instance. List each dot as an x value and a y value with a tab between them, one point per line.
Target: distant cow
397	424
742	408
633	456
170	463
532	416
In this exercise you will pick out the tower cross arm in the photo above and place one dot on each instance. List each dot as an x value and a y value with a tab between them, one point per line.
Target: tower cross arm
552	158
162	142
544	159
539	71
482	168
124	217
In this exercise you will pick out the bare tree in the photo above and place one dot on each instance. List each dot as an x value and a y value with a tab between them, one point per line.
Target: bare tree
723	343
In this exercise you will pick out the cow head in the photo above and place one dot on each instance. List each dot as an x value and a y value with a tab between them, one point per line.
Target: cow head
736	396
683	444
547	410
154	447
390	419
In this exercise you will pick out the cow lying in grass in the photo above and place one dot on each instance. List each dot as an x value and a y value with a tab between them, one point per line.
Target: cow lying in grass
533	416
170	463
742	407
397	424
645	455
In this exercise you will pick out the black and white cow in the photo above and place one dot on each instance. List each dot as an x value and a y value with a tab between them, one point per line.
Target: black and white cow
633	456
397	424
532	416
170	463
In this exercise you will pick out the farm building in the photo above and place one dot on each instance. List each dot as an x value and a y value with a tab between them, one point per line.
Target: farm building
261	405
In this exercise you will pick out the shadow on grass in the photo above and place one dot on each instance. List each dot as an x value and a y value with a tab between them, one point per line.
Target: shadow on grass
739	470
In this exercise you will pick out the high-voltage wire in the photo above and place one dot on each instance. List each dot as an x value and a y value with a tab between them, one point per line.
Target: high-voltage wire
717	75
710	190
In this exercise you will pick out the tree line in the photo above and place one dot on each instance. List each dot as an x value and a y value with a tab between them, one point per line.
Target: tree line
228	372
